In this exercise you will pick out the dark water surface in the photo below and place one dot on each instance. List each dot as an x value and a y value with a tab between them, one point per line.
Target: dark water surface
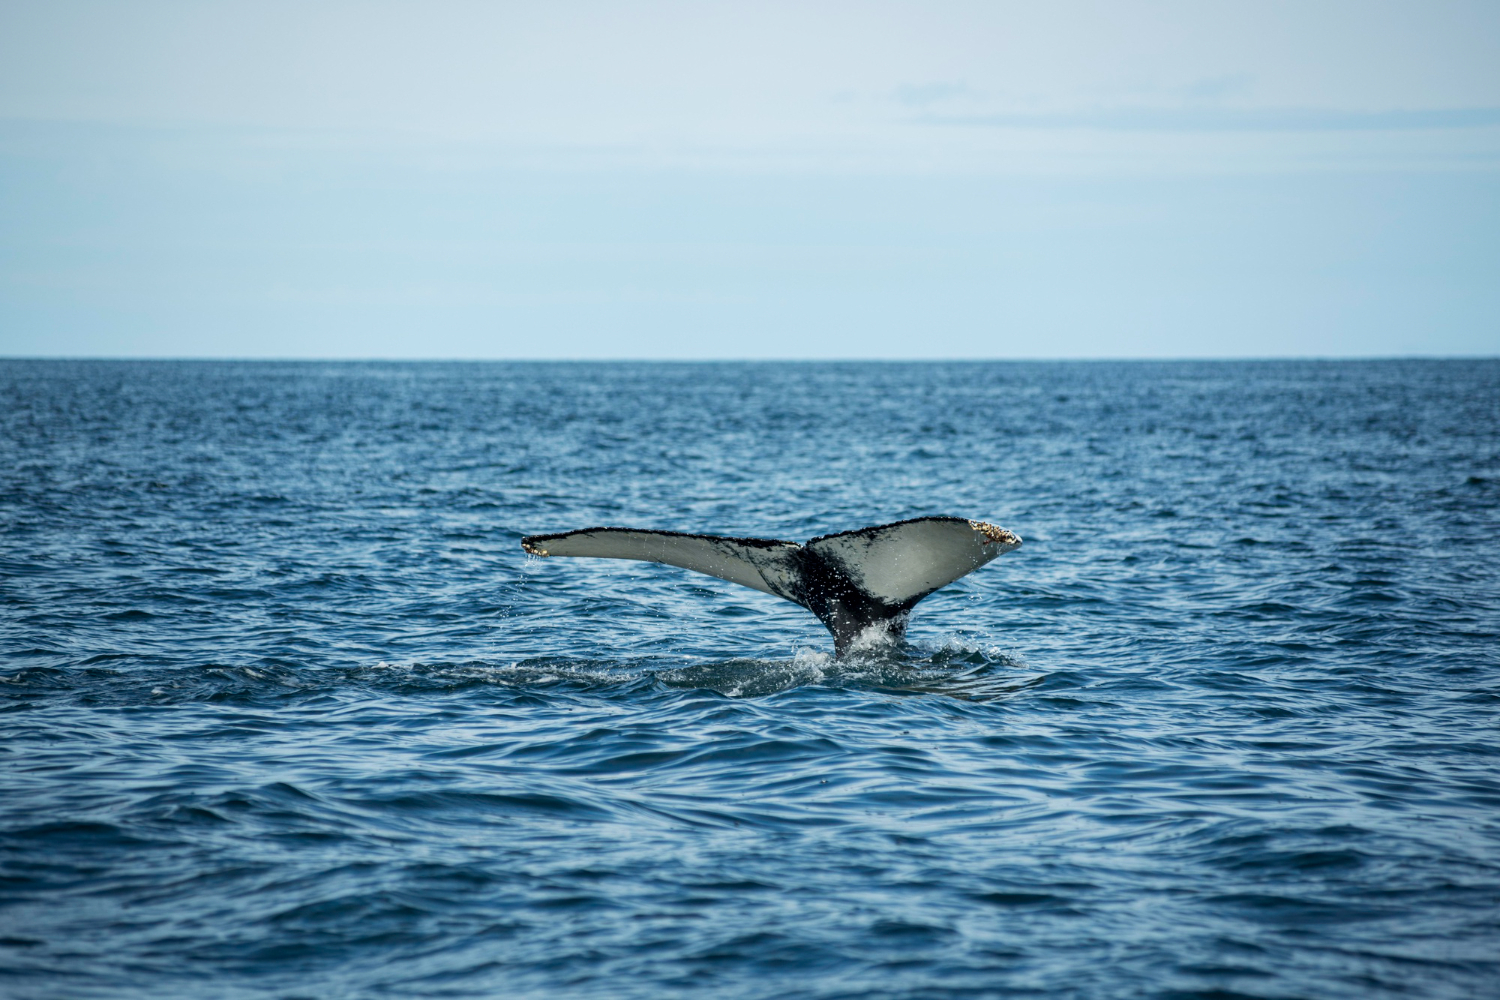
285	711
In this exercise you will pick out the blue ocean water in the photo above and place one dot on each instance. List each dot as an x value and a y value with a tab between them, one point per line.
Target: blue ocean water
285	711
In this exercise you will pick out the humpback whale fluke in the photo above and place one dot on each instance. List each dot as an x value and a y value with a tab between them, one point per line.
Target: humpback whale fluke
851	580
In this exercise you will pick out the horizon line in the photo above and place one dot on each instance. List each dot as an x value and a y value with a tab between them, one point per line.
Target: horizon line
201	359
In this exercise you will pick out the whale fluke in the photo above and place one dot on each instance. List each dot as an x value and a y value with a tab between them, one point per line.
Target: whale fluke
852	580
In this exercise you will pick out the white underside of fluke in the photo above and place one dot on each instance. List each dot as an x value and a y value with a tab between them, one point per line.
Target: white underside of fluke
763	567
909	559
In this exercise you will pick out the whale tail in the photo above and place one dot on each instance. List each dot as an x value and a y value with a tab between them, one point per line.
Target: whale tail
852	581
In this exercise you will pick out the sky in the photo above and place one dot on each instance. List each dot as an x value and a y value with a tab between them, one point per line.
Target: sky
769	180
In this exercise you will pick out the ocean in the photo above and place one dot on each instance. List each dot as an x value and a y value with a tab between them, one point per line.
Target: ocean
285	711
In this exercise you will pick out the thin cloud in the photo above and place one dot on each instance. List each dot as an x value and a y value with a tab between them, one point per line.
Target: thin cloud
923	94
1233	120
1217	88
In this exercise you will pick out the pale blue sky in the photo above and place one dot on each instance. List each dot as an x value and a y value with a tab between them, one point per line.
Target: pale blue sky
697	180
